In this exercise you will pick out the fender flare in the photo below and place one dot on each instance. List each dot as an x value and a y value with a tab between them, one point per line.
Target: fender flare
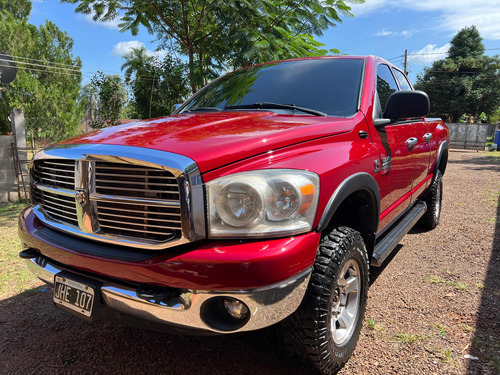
443	147
356	182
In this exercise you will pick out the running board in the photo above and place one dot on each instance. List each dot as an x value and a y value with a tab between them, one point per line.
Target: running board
396	234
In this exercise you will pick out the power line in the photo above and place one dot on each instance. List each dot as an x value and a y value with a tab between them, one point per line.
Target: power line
41	65
61	70
458	72
44	61
444	53
432	53
53	65
58	63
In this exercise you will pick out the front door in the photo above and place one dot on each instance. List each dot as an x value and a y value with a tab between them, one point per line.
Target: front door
397	159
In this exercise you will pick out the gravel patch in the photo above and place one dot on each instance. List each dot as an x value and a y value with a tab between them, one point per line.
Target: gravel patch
434	308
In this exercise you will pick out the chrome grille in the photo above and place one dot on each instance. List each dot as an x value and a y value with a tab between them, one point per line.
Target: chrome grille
57	173
143	220
59	207
122	195
135	181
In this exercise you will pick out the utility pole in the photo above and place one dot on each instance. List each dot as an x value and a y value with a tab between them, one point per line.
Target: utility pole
406	62
152	87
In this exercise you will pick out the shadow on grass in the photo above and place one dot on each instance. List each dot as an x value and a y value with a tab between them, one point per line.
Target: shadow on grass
477	163
10	211
486	341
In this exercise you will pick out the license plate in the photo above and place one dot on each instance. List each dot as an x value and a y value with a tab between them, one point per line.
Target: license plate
73	295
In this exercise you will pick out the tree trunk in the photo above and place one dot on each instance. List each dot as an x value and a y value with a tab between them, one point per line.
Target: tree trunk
191	68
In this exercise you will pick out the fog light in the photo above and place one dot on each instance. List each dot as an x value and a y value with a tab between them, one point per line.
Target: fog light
235	308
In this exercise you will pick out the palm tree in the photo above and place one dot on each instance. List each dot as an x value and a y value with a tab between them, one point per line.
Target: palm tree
138	61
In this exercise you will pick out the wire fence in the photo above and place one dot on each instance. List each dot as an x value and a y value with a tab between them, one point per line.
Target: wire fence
41	132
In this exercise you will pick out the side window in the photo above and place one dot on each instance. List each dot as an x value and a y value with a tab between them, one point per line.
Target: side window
386	85
403	81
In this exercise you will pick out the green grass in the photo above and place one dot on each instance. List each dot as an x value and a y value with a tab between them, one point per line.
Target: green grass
433	279
457	285
492	195
407	338
14	276
442	331
447	357
370	322
373	325
467	328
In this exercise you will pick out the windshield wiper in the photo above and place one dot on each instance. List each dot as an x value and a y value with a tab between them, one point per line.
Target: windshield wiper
269	105
207	109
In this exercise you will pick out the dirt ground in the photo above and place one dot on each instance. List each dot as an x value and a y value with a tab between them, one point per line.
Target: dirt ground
433	309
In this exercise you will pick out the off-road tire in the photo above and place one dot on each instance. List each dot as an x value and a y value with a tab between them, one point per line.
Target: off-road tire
309	329
433	199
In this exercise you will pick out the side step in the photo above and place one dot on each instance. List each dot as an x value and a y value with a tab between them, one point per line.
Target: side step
396	234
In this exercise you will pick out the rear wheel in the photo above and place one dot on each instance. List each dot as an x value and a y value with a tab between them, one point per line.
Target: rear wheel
433	198
326	327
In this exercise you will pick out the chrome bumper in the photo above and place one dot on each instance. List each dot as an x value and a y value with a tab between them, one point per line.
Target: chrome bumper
267	305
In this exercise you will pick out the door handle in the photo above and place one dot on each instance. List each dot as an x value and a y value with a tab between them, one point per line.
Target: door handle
427	137
411	142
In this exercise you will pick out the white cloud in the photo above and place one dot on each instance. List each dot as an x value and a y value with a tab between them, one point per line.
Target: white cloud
403	33
368	7
123	48
385	32
446	15
429	54
113	24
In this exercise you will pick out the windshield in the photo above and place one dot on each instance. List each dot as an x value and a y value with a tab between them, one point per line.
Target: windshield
330	86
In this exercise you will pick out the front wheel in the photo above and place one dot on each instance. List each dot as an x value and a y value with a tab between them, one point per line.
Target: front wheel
326	327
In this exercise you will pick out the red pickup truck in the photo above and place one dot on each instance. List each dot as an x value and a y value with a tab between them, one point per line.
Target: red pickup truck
264	198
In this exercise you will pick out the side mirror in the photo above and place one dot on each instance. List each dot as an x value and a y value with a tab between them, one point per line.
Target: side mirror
406	104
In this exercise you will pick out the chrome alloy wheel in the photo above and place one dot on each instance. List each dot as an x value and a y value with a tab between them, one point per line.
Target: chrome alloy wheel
344	304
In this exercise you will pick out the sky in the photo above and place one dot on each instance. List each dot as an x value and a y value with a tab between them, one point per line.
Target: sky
384	28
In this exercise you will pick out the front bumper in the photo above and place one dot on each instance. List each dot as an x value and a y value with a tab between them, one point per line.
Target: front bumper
195	309
209	265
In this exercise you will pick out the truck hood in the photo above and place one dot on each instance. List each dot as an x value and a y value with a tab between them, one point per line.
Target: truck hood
215	139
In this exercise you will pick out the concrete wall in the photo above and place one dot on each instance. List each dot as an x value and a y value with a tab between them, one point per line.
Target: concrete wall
8	183
469	136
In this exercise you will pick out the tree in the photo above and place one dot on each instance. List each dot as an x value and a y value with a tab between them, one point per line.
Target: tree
466	43
216	34
156	84
47	95
19	9
111	98
466	82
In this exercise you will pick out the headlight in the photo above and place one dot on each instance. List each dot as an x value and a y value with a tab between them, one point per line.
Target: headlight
266	203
